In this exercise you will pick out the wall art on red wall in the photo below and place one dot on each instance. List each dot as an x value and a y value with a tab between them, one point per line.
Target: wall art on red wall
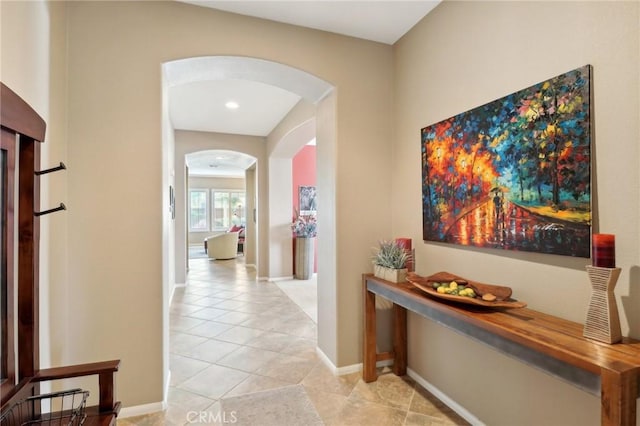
308	202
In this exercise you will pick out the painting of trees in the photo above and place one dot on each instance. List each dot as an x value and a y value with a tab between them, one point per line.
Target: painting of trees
513	173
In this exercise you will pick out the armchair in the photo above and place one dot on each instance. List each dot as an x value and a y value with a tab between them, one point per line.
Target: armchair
223	246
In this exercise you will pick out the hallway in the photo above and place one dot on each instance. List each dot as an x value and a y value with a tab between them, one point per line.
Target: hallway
242	352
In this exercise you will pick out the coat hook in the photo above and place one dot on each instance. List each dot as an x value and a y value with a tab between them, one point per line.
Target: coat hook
54	169
57	209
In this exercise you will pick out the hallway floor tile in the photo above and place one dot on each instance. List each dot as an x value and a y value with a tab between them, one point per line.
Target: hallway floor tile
242	352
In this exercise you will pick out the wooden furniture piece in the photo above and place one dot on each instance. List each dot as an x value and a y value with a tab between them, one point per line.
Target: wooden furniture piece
552	344
20	374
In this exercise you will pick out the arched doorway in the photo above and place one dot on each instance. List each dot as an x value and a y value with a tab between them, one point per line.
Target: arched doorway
219	68
312	90
221	194
281	208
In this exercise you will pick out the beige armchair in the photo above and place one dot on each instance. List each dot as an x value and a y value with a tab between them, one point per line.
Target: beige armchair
223	246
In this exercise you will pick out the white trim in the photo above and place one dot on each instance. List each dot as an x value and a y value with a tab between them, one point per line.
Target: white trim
275	279
204	68
139	410
348	369
459	409
165	400
262	278
173	291
325	359
354	368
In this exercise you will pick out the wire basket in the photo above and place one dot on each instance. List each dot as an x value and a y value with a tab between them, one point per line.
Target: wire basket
66	408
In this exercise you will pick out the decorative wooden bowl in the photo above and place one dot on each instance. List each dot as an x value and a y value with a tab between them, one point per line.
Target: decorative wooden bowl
502	294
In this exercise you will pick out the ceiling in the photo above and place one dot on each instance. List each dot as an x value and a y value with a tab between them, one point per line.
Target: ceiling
378	20
201	105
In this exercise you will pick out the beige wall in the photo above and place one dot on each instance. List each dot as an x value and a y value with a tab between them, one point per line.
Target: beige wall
463	55
107	263
35	68
115	119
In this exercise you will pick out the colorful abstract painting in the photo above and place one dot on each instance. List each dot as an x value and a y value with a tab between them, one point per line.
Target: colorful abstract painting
515	173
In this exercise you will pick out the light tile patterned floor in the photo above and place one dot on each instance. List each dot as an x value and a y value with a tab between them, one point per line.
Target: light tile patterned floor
236	342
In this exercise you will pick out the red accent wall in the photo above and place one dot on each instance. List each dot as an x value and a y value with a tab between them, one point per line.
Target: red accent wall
304	174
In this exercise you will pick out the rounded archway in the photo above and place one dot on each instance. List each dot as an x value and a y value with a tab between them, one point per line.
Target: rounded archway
221	195
220	68
314	91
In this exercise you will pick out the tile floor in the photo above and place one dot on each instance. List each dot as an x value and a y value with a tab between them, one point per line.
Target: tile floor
242	352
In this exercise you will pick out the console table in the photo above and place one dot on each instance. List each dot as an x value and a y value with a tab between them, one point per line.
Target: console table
546	342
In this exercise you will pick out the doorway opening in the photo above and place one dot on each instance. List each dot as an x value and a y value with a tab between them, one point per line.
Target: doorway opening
221	199
186	73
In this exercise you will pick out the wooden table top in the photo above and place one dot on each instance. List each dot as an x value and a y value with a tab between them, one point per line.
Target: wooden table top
550	335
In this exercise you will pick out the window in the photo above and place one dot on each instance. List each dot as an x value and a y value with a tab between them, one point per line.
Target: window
198	210
228	209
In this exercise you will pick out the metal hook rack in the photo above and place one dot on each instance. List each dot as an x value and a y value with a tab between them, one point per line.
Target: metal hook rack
56	209
43	172
53	169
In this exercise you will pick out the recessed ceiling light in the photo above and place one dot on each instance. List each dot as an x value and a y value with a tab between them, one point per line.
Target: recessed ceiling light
232	105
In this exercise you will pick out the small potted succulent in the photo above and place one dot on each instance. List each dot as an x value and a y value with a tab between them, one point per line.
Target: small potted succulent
390	261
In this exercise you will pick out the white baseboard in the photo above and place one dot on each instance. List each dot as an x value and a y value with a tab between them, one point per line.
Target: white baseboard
139	410
354	368
348	369
276	279
250	265
325	359
459	409
165	397
172	290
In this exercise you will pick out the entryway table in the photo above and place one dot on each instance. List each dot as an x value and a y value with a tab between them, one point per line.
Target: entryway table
552	344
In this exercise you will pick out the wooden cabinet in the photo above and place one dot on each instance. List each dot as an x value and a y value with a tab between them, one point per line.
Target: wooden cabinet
20	374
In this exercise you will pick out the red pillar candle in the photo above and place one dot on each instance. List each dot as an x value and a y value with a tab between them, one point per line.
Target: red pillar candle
405	243
603	250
